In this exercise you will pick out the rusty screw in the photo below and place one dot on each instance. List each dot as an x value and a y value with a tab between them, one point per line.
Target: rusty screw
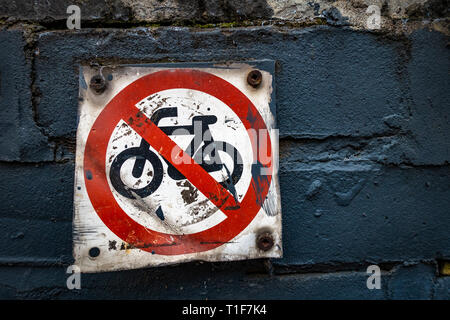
98	84
264	241
254	78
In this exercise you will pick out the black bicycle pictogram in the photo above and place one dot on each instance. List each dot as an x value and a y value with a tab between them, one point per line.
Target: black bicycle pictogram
203	149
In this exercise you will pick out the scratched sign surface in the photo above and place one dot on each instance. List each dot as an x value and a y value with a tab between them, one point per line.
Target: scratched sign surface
176	162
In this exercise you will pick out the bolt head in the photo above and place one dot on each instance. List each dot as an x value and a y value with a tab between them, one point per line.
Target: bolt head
264	241
98	84
254	78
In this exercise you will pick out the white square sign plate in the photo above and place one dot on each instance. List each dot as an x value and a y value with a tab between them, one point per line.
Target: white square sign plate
174	163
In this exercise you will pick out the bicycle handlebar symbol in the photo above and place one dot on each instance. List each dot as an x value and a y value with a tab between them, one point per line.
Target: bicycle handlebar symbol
202	151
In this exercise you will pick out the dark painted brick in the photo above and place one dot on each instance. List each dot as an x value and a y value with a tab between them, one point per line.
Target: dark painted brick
32	239
332	82
364	213
41	191
356	213
337	86
214	281
204	282
7	293
430	88
349	285
20	138
413	282
32	283
442	289
396	149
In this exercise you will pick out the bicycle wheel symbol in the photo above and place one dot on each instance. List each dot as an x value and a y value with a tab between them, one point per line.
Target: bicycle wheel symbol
140	153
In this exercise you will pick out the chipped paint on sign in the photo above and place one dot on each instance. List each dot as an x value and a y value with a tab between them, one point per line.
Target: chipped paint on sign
175	163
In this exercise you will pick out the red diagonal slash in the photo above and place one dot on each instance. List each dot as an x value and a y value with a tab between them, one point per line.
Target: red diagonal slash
167	148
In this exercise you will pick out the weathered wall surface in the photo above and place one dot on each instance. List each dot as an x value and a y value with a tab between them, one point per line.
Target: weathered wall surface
364	119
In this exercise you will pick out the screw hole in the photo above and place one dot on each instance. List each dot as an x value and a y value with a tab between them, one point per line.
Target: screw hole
94	252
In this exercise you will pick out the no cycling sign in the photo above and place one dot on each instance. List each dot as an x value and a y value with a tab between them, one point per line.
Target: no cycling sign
174	163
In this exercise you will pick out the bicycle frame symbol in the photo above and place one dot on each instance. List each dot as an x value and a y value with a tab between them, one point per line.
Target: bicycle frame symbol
204	152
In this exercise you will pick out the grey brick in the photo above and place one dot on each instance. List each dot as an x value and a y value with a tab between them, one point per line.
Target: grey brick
131	10
51	10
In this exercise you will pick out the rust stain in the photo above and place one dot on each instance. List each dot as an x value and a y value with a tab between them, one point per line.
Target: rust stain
127	246
190	194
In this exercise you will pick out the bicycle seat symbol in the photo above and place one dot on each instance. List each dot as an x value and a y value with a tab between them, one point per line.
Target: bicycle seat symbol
203	151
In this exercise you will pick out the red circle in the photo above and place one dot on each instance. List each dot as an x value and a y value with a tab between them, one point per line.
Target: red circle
120	107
